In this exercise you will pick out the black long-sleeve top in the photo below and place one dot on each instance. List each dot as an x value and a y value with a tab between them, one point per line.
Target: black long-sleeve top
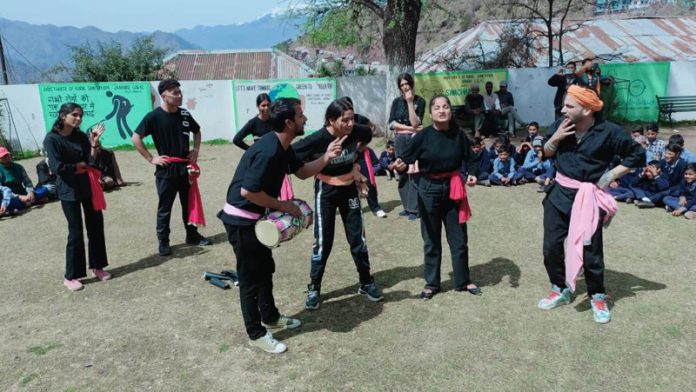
587	160
64	152
399	110
255	127
315	145
438	151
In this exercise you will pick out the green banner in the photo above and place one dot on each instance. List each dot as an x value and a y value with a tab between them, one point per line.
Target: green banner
631	96
455	85
119	105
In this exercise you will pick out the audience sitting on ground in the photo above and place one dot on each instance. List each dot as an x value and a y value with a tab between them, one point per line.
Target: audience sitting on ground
648	188
532	131
672	165
47	178
22	192
481	165
386	161
656	147
504	172
683	200
537	167
636	132
686	155
105	161
521	154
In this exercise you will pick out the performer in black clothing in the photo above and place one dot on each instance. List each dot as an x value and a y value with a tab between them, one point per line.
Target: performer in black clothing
69	154
405	119
335	187
564	78
254	188
577	205
258	125
170	127
440	150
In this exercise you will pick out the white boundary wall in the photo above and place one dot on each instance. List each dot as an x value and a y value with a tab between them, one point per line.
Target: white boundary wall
25	106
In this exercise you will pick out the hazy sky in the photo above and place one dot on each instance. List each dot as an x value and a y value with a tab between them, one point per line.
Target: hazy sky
139	15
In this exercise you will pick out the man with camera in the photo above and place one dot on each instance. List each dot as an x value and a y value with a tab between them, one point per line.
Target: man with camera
564	78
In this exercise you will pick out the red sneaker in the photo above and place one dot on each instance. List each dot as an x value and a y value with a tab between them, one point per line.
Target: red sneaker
73	284
101	274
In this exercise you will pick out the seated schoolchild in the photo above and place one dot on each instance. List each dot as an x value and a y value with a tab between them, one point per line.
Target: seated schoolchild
504	172
683	201
481	165
14	177
386	162
536	167
47	178
532	132
686	155
650	186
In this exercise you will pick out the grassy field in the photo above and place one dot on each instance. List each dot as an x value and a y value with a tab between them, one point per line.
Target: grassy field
159	326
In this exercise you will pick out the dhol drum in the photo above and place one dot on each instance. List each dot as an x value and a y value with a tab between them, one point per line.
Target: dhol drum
277	226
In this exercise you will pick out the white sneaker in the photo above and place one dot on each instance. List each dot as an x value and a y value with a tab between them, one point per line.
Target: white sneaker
381	214
268	344
283	323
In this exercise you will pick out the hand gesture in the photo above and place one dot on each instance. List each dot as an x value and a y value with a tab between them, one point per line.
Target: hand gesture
98	131
160	160
291	208
409	96
564	130
335	148
400	165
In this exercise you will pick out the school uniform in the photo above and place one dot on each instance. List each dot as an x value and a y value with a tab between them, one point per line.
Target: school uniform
534	167
480	165
654	188
170	133
439	153
254	127
583	160
75	195
261	169
504	169
687	190
343	197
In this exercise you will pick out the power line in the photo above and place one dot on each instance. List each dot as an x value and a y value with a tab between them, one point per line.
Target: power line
41	73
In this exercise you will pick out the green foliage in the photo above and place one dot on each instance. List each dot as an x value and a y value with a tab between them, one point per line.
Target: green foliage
42	349
336	27
28	379
111	62
362	71
215	142
224	348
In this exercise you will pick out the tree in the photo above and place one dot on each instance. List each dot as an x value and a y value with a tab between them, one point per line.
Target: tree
110	62
553	15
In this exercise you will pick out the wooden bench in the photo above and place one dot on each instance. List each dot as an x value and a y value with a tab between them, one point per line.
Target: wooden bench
668	105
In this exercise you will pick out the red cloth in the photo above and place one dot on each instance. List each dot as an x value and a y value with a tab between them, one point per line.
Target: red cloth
196	217
370	168
98	200
457	193
286	192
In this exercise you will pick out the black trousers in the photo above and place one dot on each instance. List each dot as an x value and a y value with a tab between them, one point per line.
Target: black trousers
372	200
436	208
75	249
327	199
167	189
555	232
408	183
255	267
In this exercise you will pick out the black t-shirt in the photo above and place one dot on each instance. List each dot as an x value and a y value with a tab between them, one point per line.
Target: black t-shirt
255	127
588	160
315	145
399	110
261	169
170	133
438	151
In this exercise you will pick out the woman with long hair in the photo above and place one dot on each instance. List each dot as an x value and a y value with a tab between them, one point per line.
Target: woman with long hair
440	150
258	125
69	155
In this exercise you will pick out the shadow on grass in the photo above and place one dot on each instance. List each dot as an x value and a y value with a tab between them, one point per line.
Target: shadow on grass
619	285
389	206
491	274
351	309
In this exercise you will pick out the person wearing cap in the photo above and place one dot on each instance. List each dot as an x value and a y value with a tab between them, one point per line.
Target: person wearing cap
475	107
577	205
22	192
507	107
536	167
171	127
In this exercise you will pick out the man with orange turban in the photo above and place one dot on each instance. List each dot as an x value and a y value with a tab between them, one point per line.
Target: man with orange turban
577	205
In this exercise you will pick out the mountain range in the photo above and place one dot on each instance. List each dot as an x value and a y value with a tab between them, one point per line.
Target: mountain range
31	50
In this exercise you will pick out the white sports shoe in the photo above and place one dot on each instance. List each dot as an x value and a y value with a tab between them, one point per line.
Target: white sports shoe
381	214
268	344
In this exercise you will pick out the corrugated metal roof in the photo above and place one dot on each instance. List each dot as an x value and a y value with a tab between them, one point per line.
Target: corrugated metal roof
243	64
615	40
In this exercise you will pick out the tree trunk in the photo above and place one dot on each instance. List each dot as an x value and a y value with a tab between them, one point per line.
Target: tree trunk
400	30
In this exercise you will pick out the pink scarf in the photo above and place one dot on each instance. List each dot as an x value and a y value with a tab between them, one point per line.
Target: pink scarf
584	218
286	192
370	169
196	216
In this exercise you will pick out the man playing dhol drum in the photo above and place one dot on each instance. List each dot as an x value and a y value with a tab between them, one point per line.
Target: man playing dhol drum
255	187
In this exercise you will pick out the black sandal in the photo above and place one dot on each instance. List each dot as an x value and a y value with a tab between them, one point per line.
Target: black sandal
427	293
474	290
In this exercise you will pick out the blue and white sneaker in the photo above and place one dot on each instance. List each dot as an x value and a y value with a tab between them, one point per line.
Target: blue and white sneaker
372	292
557	298
600	308
313	300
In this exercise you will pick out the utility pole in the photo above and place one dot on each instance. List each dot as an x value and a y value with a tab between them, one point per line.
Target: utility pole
3	66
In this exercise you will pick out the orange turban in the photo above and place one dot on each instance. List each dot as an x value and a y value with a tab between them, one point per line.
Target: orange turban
586	98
